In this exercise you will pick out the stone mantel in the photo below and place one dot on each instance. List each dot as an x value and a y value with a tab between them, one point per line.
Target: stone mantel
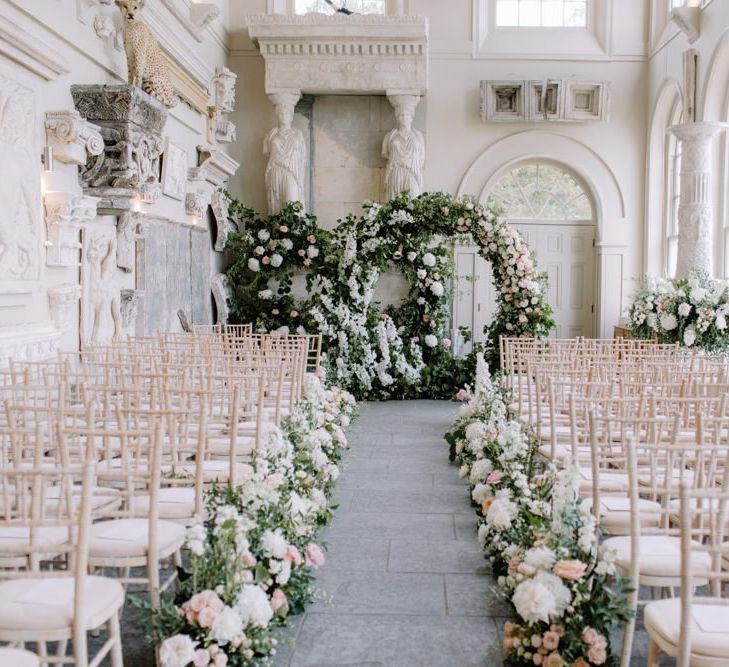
368	54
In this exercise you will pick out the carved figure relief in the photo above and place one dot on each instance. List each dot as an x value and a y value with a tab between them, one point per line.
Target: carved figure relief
100	311
404	149
130	306
19	185
146	63
224	224
286	150
174	171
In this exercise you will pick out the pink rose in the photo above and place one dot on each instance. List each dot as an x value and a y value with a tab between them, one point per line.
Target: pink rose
249	560
557	629
221	660
597	655
494	477
265	260
570	569
311	238
590	635
553	660
202	658
293	555
314	555
460	394
550	641
206	617
536	641
446	342
537	658
279	601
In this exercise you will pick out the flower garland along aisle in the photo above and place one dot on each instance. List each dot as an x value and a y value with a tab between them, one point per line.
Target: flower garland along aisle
402	352
691	311
250	563
541	542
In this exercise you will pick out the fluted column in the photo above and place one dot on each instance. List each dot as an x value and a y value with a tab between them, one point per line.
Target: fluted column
695	211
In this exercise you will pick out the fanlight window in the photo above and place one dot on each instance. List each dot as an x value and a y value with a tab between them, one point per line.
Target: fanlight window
355	6
541	13
539	191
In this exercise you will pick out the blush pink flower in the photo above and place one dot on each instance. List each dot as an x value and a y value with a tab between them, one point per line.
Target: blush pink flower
570	569
293	555
597	655
460	394
220	660
265	260
202	658
206	617
589	635
553	660
550	641
278	600
495	476
446	342
249	560
314	555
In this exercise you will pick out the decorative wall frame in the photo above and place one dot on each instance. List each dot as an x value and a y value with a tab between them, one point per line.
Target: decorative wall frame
61	300
545	100
174	171
586	100
502	101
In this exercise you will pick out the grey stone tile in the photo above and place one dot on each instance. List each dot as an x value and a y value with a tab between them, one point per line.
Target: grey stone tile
414	453
393	641
380	593
415	465
437	556
355	524
355	480
358	555
474	595
466	526
431	501
366	465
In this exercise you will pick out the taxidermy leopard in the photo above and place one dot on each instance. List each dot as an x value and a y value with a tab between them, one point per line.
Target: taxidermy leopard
145	61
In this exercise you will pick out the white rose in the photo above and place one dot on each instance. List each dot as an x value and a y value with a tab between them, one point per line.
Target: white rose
276	260
274	544
475	431
227	626
431	340
480	470
421	273
253	606
177	651
689	336
669	322
480	493
437	288
501	513
254	265
263	235
287	244
483	534
540	558
411	256
265	294
429	259
312	252
684	309
697	294
541	598
720	322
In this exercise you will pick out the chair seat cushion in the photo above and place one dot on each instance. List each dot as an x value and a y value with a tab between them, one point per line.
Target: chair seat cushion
47	604
15	539
659	555
175	502
615	513
128	538
709	623
18	658
611	482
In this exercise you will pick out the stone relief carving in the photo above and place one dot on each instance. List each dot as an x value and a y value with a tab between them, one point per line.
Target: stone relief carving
65	215
129	308
126	239
221	294
196	203
30	343
214	167
19	183
404	149
72	137
222	102
286	150
174	171
131	124
223	223
147	65
61	301
100	310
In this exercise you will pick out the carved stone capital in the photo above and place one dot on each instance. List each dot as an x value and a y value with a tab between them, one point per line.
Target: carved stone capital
196	203
65	214
61	300
72	138
221	294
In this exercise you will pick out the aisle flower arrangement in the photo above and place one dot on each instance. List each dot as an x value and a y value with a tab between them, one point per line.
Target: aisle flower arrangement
691	311
250	563
397	352
540	540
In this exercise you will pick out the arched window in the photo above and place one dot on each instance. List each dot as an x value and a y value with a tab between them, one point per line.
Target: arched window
542	191
672	189
356	6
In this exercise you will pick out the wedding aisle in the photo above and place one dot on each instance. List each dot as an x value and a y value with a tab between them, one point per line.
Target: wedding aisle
407	582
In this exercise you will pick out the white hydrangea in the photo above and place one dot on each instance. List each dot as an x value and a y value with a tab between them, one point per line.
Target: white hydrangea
540	558
541	598
276	260
428	259
684	309
480	493
253	606
177	651
480	470
274	544
669	322
431	340
254	265
437	289
227	626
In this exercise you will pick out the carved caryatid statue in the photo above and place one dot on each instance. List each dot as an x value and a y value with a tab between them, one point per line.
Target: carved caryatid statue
286	150
404	149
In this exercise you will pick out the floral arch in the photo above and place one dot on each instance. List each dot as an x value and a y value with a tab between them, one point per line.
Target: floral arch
398	352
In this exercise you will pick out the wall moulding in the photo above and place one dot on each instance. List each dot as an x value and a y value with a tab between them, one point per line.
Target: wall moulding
32	52
61	302
315	53
72	138
65	215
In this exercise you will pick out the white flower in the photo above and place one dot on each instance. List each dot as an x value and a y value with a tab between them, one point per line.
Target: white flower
483	534
428	259
437	288
253	606
541	598
265	294
720	322
284	574
480	470
276	260
684	309
312	252
420	300
431	340
669	322
227	626
263	235
421	273
287	244
274	544
697	294
689	336
480	493
177	651
501	513
254	265
411	256
540	558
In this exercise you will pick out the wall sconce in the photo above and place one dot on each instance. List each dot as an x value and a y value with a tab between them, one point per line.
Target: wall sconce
47	159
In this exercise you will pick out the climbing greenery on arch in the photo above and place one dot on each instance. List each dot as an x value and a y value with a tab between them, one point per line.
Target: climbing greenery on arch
375	352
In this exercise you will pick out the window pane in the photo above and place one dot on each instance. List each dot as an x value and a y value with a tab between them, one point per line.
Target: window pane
507	13
530	14
575	14
552	13
357	6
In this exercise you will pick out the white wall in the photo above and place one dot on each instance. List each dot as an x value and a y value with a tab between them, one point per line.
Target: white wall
63	33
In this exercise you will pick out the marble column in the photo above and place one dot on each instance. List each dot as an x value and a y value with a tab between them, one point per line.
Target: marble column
695	211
